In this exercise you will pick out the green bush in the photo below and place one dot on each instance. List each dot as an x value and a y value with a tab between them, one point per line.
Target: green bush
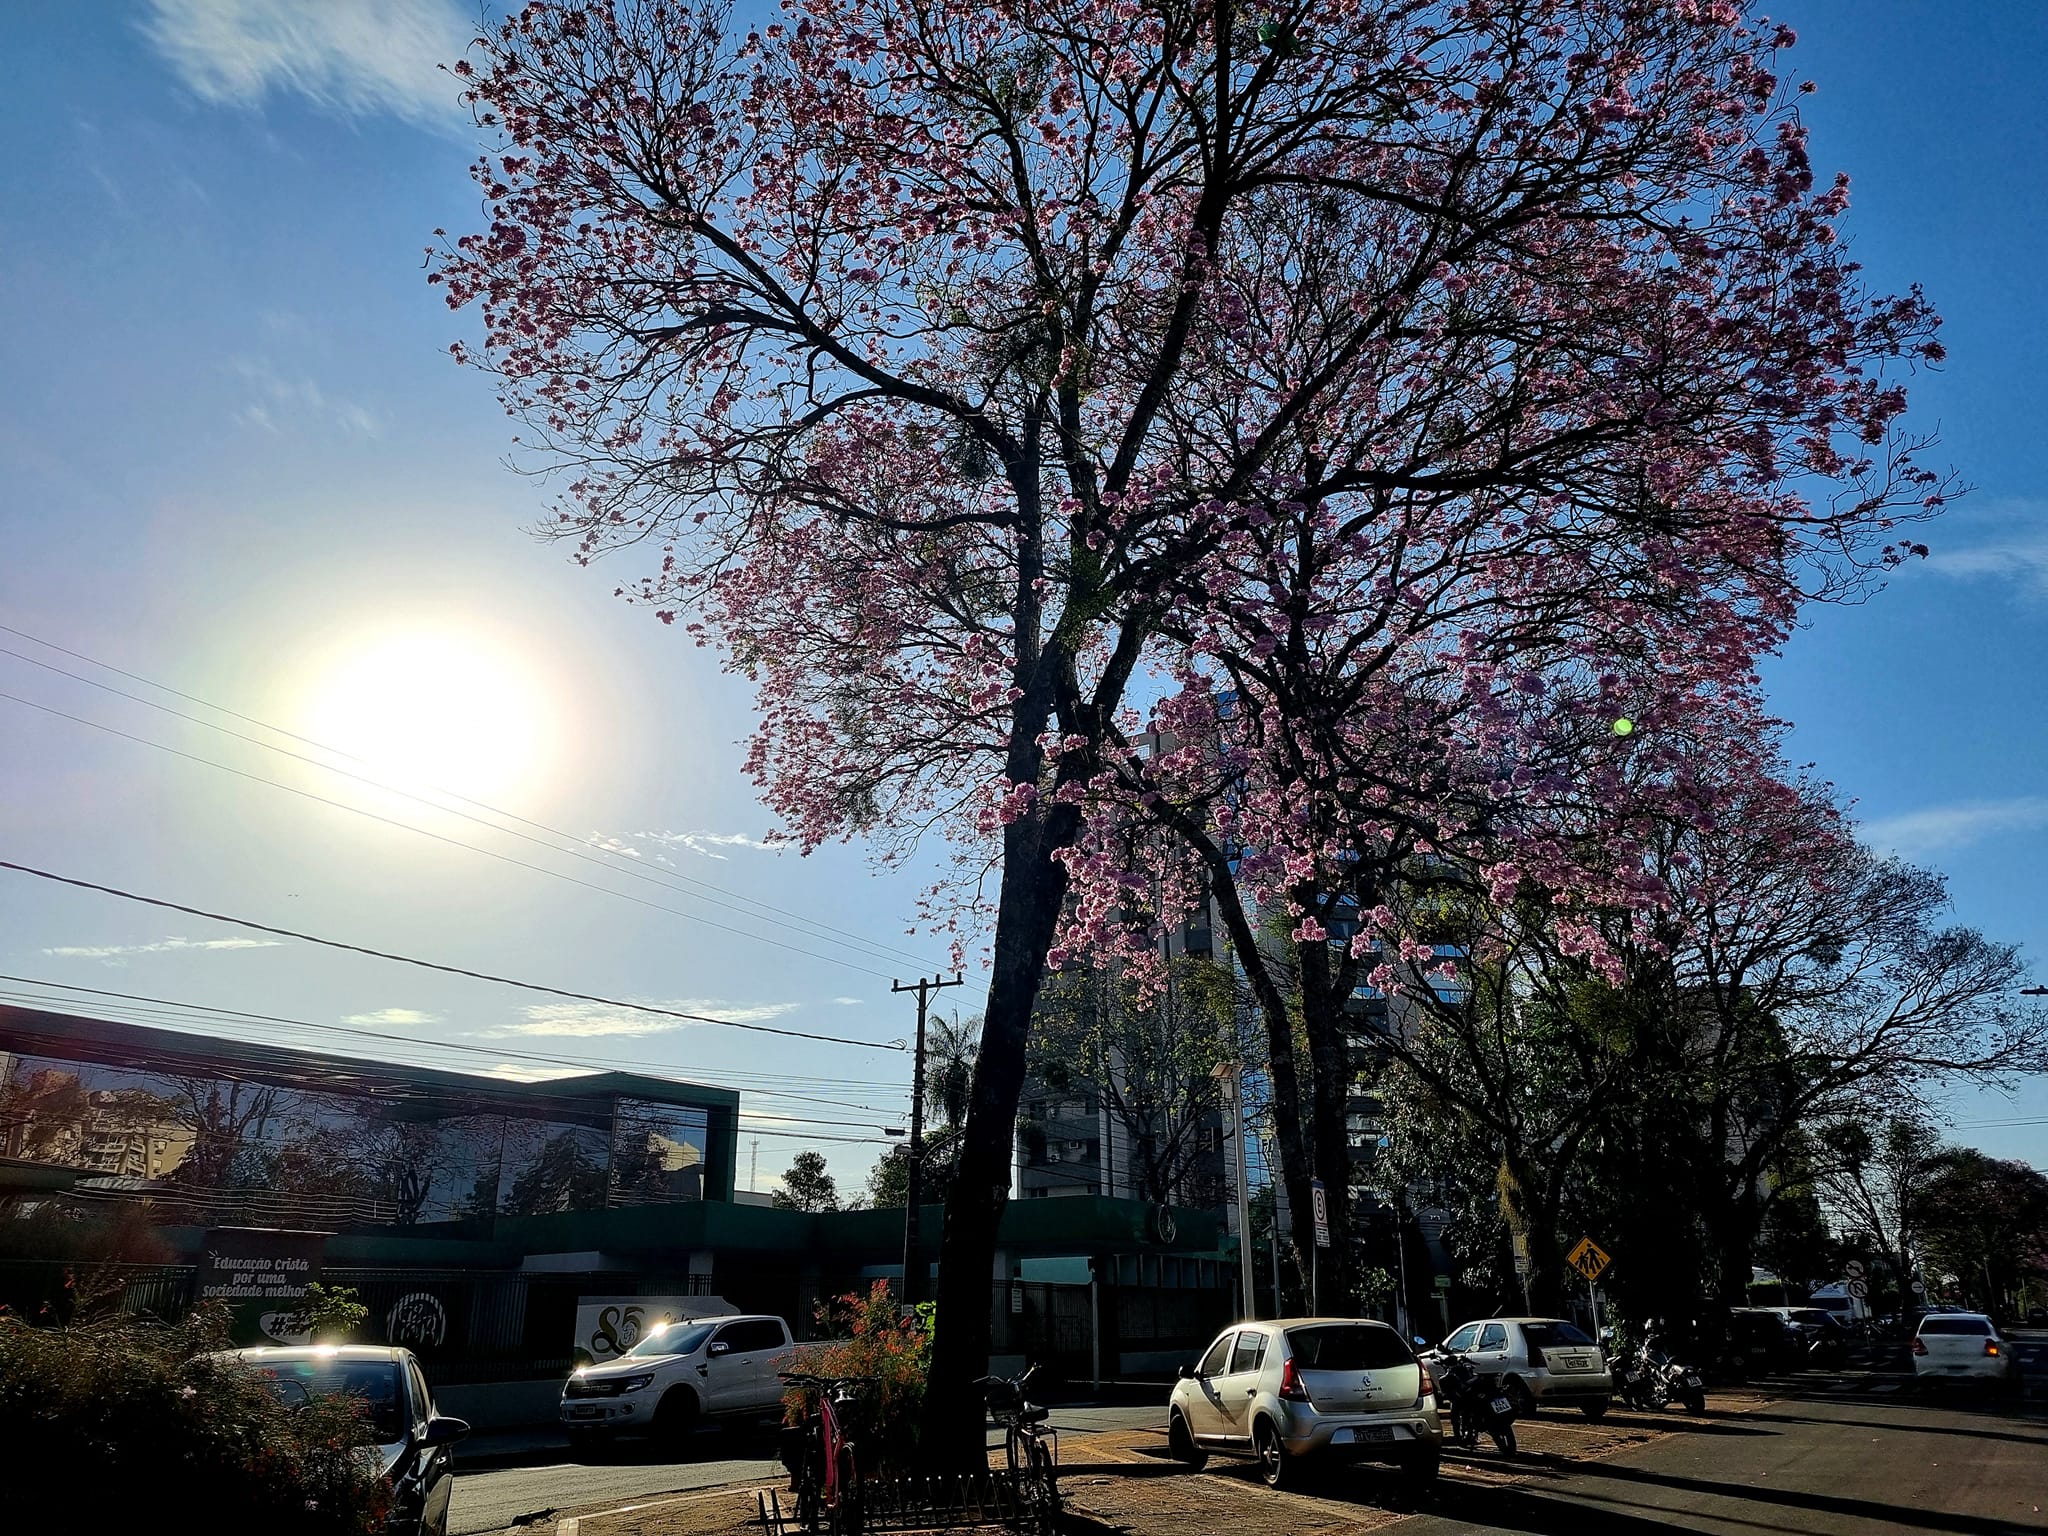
870	1337
129	1424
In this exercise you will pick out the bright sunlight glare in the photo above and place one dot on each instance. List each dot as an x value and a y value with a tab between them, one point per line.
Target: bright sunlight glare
444	708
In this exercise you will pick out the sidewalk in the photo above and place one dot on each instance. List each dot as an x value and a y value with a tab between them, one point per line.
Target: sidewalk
1122	1480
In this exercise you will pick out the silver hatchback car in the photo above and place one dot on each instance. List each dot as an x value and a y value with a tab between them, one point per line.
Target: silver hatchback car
1308	1388
1537	1361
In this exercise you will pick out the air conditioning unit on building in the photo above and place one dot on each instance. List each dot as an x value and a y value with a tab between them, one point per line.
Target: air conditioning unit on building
1052	1154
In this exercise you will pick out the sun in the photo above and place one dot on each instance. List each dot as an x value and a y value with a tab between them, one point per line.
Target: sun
434	707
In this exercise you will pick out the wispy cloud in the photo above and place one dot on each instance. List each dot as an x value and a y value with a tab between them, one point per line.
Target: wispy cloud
276	403
2021	558
2001	540
351	57
391	1016
847	1002
160	947
582	1021
528	1072
1940	828
702	843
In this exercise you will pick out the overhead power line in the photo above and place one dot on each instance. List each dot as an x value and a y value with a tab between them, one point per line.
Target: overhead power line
439	837
435	965
689	885
140	1006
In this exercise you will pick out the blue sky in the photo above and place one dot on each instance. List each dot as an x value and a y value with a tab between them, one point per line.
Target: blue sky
234	458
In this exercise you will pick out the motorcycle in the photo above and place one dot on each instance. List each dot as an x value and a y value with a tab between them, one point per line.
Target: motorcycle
1478	1407
1675	1381
1637	1384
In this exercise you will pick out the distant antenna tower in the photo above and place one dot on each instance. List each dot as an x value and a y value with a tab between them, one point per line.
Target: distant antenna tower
754	1168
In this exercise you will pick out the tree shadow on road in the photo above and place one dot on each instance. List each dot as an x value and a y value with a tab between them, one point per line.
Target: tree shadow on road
1964	1431
1900	1515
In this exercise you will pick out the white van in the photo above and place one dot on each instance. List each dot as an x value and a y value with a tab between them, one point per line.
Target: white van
679	1375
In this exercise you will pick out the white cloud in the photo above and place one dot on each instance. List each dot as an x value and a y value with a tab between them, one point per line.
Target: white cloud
708	843
160	947
277	403
847	1002
2021	558
1942	827
352	57
391	1016
584	1021
526	1072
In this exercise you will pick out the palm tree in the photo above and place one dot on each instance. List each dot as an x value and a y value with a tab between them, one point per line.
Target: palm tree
949	1068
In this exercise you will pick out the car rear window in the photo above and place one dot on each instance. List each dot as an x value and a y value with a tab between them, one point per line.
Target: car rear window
1348	1347
1550	1335
1975	1326
376	1385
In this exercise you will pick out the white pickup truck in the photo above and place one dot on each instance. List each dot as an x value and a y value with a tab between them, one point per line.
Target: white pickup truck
679	1375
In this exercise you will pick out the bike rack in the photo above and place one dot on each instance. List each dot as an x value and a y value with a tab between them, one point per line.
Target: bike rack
1001	1498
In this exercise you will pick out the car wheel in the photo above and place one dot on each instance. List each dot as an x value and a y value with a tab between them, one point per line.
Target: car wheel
1274	1467
585	1445
1518	1393
1180	1444
675	1419
1595	1410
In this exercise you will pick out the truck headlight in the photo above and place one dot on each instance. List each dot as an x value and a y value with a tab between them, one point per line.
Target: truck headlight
635	1383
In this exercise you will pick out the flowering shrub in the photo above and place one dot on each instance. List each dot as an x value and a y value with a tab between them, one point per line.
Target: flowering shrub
870	1337
135	1425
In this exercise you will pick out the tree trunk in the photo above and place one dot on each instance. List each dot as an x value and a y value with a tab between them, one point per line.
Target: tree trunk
1027	911
1295	1166
1329	1050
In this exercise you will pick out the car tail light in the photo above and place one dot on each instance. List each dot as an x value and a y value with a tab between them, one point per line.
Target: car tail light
1991	1346
1291	1388
1428	1381
1919	1345
1535	1357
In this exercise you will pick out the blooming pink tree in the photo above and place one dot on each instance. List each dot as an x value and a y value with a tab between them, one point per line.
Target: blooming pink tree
955	368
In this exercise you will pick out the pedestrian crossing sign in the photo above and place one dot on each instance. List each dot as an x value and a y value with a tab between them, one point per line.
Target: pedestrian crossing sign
1589	1259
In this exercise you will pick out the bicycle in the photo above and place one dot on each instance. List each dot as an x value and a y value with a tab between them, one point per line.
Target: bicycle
1029	1447
824	1473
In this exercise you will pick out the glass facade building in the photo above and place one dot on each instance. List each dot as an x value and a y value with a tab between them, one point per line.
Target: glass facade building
211	1131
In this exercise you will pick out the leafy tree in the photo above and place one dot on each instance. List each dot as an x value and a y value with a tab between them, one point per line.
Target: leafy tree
806	1186
1156	1059
330	1313
1984	1220
889	1180
956	368
1873	1172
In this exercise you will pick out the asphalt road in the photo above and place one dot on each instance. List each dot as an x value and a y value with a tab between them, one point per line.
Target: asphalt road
1830	1464
493	1500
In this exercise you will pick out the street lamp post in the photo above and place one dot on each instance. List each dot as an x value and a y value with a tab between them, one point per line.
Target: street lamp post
1232	1072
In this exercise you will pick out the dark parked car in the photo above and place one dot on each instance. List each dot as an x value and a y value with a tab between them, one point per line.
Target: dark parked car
1761	1340
413	1444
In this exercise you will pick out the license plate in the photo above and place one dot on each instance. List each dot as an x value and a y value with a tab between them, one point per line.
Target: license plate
1373	1432
1692	1381
1502	1405
585	1413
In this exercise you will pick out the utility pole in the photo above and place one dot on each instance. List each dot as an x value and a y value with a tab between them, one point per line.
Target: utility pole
913	1255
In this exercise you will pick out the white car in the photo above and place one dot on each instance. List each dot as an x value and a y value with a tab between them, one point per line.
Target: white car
1961	1346
677	1376
1321	1388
